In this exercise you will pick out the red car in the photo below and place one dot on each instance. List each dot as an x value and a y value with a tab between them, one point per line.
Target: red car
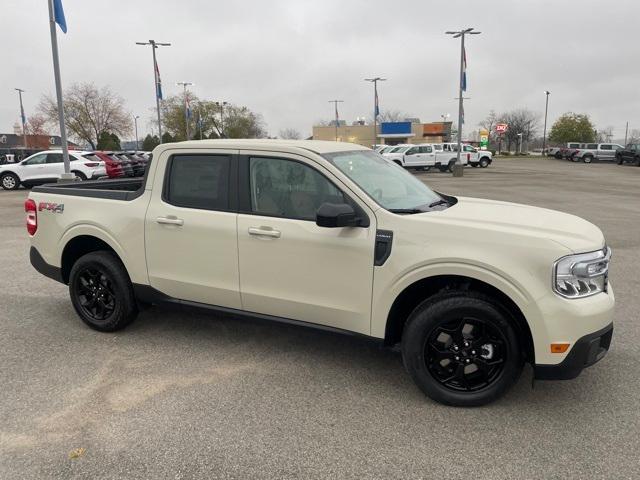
113	167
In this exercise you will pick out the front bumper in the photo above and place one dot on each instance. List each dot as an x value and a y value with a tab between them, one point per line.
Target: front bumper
585	352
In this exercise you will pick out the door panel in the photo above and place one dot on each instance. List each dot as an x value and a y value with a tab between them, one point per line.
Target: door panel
292	268
34	168
191	234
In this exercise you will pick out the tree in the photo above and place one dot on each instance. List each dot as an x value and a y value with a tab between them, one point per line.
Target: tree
168	138
211	118
36	125
149	143
572	127
392	116
489	123
634	136
88	111
520	121
290	134
108	141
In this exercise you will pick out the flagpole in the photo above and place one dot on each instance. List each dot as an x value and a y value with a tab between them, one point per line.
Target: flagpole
67	175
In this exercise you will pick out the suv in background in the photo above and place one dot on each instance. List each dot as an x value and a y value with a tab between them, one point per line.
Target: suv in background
47	167
597	151
630	153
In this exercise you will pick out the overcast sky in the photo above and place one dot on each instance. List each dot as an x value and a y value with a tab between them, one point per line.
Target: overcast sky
286	59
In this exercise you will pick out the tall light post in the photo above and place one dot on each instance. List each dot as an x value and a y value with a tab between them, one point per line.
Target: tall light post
519	149
458	168
336	102
221	105
187	110
135	121
376	107
544	132
22	118
156	76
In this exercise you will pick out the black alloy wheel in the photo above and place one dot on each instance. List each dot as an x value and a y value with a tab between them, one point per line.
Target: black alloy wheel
465	355
96	295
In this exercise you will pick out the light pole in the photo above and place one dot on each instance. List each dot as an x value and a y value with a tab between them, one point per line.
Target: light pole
458	168
156	76
221	105
544	132
336	102
626	132
135	121
187	112
519	147
22	118
376	107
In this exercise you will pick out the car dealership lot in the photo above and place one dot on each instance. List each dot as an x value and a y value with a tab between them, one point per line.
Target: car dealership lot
186	395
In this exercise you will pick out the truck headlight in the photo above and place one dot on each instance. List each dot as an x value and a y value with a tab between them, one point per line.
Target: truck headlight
582	275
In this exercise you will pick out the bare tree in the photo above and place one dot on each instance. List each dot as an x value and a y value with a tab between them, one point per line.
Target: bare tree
89	112
521	121
604	135
290	134
489	123
392	116
634	136
36	125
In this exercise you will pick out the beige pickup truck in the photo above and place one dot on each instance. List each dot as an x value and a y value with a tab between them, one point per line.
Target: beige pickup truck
334	236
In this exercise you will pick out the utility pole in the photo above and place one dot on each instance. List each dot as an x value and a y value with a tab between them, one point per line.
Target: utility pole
187	112
135	121
376	106
458	167
156	76
22	118
544	132
221	105
626	132
336	102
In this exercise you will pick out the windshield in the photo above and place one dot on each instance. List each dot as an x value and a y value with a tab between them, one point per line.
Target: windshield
390	185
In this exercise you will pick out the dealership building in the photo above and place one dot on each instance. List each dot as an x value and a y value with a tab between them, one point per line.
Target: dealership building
388	133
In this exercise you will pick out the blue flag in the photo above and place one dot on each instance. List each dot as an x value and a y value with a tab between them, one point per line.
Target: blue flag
58	13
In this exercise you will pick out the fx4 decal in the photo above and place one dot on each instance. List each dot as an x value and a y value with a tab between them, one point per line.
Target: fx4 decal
51	207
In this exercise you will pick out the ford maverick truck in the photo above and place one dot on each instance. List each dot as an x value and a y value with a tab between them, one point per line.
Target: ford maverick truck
333	235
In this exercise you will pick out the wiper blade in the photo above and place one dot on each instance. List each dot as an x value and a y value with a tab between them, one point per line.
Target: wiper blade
438	202
406	210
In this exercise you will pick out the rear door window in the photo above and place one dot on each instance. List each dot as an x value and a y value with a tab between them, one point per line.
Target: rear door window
56	158
198	181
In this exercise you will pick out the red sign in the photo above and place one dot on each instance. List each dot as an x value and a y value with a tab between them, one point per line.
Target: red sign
501	127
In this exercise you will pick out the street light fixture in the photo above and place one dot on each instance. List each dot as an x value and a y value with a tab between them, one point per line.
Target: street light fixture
336	102
376	107
187	112
519	150
156	76
135	121
458	168
544	132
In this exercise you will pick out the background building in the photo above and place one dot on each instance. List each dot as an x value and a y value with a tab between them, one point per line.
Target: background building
388	133
13	144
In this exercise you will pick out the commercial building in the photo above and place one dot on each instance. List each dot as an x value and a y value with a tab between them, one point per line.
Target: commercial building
388	133
14	144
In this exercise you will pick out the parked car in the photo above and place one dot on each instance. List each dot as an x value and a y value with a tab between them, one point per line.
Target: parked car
477	158
113	168
331	235
630	153
447	156
48	166
138	164
421	156
604	152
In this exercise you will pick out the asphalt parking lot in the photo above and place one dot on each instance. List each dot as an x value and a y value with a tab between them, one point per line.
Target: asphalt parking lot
193	396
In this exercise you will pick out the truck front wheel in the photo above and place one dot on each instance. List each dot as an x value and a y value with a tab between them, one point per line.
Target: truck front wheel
101	292
461	349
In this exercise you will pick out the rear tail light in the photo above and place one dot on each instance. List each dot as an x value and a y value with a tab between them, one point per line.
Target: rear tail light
92	164
32	216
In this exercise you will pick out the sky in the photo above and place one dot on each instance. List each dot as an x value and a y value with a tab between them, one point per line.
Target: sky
286	59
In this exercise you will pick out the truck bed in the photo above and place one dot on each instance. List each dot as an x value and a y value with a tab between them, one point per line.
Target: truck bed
126	189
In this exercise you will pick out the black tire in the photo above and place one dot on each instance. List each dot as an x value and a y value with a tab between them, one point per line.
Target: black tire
494	347
587	159
81	176
98	281
484	162
9	181
619	159
450	166
558	155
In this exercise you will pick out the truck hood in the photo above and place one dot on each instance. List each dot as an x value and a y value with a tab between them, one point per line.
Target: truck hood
575	233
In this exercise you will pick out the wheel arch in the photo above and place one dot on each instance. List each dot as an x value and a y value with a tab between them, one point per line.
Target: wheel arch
427	287
12	172
80	245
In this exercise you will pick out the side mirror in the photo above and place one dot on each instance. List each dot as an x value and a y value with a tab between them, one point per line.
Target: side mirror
335	215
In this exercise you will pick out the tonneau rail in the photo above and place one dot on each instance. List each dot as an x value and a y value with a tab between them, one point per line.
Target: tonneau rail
125	189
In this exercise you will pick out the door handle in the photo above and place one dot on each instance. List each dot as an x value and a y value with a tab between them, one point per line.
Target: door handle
170	220
264	232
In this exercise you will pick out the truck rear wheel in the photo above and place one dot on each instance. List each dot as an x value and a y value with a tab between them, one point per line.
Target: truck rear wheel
461	349
484	162
101	292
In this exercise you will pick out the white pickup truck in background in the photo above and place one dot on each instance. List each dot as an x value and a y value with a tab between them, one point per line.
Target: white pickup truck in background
421	156
447	154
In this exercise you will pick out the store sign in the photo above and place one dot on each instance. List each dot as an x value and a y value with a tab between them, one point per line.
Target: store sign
484	139
501	127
